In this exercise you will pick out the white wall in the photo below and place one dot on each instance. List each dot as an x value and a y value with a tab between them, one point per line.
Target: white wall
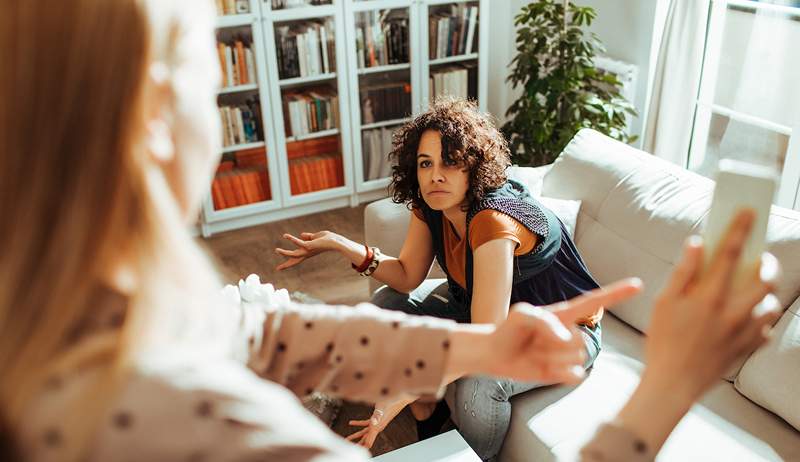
624	26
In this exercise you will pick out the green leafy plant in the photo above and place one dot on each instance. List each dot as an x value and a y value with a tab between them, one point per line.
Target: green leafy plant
562	90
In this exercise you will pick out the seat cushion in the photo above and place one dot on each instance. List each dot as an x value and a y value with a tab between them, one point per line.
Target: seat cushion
552	423
771	376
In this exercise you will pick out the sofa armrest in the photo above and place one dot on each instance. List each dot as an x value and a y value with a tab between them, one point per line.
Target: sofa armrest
386	226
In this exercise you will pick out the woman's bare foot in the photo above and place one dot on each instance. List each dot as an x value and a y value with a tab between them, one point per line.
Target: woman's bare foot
422	411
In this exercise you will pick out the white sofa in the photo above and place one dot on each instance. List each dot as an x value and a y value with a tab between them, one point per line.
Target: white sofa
635	213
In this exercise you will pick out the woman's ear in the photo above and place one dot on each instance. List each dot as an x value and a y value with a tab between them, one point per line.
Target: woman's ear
158	114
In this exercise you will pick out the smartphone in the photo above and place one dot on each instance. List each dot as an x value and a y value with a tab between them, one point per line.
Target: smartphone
741	185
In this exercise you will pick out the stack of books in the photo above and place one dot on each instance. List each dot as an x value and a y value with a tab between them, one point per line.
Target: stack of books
315	164
453	32
281	4
385	101
460	81
305	49
375	147
238	63
381	39
310	110
225	7
242	180
241	123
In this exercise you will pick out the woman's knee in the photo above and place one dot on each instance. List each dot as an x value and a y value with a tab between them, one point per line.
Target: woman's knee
390	299
477	395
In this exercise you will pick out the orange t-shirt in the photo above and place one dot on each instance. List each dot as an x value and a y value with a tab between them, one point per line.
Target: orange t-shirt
488	225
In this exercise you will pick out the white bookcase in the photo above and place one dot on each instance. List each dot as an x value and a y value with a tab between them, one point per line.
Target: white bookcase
348	81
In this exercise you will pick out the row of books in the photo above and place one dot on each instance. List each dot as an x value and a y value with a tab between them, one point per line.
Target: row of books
376	144
381	39
386	101
305	49
315	173
460	81
281	4
452	33
241	123
232	6
242	180
238	63
310	111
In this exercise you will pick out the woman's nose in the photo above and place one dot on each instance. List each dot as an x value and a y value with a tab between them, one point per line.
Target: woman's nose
437	175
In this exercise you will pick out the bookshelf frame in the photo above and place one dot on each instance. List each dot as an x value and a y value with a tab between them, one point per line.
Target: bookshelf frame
356	190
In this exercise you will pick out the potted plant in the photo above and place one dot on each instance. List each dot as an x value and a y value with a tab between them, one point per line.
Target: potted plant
562	89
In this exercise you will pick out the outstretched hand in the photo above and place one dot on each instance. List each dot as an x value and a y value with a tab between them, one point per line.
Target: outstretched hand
306	246
543	344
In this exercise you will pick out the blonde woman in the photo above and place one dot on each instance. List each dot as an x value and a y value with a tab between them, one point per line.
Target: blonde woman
113	342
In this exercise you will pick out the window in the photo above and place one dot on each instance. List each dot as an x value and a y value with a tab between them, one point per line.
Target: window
748	104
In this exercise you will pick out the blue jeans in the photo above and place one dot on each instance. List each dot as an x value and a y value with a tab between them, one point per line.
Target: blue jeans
482	407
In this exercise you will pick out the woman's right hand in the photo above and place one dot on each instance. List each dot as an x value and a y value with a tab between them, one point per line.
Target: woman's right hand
307	245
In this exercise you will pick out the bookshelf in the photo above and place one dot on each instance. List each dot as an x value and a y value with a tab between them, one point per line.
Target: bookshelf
329	83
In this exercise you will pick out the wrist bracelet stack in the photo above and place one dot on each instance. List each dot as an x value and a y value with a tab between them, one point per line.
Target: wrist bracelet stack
370	263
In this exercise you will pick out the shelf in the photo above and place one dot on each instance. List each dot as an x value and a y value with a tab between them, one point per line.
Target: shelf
235	20
447	2
388	68
305	12
311	136
237	89
295	81
242	147
385	123
374	185
453	59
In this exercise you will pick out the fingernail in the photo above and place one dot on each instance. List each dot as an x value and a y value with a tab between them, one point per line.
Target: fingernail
577	371
694	241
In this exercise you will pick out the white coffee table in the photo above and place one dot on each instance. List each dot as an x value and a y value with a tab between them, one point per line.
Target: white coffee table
449	447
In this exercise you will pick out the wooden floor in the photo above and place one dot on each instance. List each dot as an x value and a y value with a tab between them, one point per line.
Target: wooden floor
327	277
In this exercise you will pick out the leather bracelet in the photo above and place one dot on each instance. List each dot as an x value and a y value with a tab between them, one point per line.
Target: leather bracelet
373	265
367	260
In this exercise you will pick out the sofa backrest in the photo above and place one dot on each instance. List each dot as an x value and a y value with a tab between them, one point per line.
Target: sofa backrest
638	209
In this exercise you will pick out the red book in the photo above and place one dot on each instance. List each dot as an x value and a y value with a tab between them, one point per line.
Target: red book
256	157
333	171
227	190
216	195
238	189
306	181
339	170
294	177
250	195
320	177
225	166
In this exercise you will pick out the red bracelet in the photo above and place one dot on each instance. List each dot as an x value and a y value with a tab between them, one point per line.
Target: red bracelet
363	266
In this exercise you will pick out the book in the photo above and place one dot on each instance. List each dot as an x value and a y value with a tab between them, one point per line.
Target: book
241	123
381	38
305	48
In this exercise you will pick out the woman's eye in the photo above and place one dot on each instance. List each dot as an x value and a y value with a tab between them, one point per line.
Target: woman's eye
425	164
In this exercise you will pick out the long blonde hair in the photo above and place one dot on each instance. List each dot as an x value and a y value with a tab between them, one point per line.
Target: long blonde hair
76	193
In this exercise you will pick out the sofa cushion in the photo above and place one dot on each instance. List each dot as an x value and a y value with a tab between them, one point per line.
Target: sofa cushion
636	212
771	376
552	423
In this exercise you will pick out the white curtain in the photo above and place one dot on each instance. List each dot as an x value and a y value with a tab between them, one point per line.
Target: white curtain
668	124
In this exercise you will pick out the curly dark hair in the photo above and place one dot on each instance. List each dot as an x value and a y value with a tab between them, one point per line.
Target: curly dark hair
469	138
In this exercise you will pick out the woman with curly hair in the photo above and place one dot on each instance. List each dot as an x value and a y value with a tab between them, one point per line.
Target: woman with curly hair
497	244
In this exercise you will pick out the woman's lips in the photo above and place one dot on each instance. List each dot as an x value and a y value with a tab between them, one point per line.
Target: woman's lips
434	193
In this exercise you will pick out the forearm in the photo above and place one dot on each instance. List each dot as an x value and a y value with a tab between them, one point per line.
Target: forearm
655	408
390	271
